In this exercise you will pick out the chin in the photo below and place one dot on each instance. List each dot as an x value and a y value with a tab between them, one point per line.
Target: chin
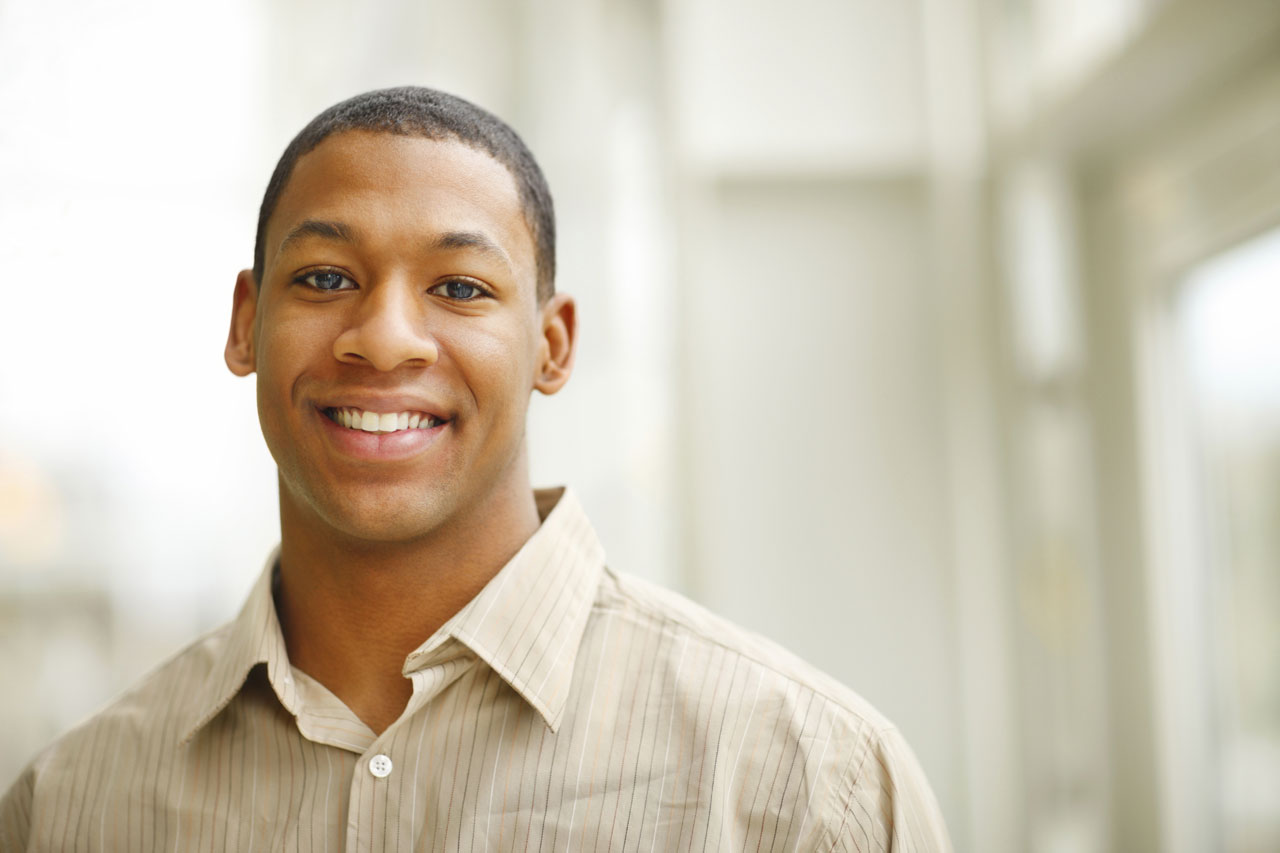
375	515
398	523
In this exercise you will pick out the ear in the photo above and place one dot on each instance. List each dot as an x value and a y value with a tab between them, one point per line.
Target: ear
559	342
244	305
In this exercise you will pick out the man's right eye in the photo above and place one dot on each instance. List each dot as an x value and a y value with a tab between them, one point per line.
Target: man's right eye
327	280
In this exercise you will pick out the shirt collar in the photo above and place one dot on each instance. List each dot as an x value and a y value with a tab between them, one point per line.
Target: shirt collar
526	623
253	638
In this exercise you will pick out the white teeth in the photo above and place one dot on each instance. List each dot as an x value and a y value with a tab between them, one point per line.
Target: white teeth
381	422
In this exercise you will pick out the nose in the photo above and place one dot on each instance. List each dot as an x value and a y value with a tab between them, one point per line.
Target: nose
387	330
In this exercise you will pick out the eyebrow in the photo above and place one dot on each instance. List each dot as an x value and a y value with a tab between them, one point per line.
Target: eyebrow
335	231
449	241
477	240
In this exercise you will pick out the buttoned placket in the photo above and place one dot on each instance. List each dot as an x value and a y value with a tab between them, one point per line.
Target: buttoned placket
383	813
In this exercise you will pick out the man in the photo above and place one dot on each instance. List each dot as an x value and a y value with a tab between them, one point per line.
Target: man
436	657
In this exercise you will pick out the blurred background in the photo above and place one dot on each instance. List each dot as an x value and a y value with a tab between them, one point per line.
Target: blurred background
938	340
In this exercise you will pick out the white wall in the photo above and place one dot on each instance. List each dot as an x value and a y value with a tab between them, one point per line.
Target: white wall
814	485
814	426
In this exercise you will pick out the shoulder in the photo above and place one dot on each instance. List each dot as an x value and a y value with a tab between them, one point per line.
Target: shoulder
694	629
150	716
808	744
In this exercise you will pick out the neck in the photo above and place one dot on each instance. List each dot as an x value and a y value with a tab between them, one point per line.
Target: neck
352	609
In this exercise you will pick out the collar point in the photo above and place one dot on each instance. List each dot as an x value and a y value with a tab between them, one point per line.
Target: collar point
552	719
189	733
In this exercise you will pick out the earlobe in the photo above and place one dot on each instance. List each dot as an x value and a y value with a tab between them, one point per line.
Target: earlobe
244	305
559	343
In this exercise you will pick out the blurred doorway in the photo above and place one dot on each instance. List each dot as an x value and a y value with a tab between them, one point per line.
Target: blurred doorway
1193	273
1227	322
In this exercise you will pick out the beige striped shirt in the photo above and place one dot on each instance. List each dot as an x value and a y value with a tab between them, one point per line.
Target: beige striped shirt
566	707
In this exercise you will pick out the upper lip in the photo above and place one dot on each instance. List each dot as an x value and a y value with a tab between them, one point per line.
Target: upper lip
383	403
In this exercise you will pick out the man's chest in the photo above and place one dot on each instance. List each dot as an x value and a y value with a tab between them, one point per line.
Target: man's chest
475	769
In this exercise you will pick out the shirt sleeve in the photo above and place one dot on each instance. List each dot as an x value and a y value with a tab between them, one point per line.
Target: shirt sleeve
15	812
890	806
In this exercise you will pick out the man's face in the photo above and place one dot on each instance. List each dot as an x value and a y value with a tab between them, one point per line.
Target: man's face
396	336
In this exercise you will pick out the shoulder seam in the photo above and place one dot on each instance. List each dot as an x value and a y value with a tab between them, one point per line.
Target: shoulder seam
662	620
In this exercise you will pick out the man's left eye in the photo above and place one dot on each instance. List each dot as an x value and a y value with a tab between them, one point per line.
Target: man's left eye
460	290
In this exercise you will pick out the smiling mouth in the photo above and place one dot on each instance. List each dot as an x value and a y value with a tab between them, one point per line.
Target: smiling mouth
381	422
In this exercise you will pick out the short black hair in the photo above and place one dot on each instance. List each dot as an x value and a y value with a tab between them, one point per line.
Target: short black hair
419	111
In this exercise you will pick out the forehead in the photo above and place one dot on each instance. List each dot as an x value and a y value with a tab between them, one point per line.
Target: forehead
392	187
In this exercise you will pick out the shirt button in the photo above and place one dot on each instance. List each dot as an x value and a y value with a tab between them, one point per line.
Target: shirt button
380	766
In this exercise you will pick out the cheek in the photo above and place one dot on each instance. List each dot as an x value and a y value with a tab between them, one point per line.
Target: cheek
289	341
497	365
288	347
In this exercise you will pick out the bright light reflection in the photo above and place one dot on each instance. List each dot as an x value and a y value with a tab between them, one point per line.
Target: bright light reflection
1232	322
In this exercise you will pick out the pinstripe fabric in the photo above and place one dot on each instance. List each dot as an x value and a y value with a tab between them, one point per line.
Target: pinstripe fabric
565	708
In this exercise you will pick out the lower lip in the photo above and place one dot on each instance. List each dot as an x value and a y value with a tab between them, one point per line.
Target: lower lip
381	446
